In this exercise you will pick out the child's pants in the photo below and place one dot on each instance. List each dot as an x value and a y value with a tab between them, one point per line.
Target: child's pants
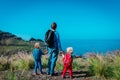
37	65
69	68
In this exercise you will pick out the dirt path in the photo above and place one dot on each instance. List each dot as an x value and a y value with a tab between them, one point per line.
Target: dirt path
27	75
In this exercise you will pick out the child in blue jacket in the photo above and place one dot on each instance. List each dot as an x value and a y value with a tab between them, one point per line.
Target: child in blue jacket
37	54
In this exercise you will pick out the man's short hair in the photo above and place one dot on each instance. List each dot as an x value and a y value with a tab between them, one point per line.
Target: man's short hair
54	25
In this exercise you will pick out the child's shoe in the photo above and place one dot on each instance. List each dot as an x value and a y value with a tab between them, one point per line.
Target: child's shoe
71	77
63	76
34	74
41	72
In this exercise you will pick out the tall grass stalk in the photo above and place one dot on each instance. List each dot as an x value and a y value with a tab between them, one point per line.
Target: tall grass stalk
116	67
97	66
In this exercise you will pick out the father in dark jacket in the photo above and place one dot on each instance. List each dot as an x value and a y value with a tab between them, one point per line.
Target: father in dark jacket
53	51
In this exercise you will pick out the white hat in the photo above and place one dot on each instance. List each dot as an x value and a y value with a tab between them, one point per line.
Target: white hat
69	49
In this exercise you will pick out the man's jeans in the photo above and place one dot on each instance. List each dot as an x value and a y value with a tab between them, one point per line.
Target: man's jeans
52	58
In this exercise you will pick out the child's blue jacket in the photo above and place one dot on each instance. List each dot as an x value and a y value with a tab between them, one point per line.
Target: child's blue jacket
37	53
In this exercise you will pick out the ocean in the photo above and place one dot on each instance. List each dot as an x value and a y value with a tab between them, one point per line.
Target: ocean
83	46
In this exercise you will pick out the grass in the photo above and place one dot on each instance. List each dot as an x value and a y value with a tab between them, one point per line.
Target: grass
97	66
11	50
101	67
24	61
78	63
59	64
105	67
44	61
24	46
116	67
4	64
11	76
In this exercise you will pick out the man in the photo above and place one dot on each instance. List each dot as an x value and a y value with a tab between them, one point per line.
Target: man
54	50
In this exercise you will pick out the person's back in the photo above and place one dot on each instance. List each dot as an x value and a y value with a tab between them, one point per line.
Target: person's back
49	38
56	42
67	60
54	50
37	53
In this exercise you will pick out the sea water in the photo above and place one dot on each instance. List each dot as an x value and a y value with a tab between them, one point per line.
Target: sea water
81	47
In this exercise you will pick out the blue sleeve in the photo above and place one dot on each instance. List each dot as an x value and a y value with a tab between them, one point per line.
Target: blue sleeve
46	48
35	56
73	56
41	53
59	43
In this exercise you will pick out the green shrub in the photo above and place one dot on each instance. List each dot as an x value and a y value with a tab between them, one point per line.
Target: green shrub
10	76
44	62
116	67
31	64
97	66
75	65
108	74
59	66
22	62
4	65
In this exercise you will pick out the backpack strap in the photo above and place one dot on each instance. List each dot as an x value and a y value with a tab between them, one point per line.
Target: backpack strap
49	33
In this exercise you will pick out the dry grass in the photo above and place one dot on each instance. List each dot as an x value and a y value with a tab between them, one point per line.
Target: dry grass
101	67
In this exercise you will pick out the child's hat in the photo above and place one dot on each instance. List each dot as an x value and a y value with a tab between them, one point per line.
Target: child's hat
69	49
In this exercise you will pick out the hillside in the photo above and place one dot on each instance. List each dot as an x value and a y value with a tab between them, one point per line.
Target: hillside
11	44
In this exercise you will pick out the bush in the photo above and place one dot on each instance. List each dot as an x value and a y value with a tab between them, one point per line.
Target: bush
59	66
116	67
11	76
44	61
4	65
109	72
22	62
75	66
97	66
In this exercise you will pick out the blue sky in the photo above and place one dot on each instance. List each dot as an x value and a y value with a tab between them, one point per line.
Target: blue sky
76	19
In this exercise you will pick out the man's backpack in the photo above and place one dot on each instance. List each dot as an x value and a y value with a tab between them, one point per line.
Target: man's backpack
49	38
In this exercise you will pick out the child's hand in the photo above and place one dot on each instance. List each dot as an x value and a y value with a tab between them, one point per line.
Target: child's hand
60	52
46	52
63	55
